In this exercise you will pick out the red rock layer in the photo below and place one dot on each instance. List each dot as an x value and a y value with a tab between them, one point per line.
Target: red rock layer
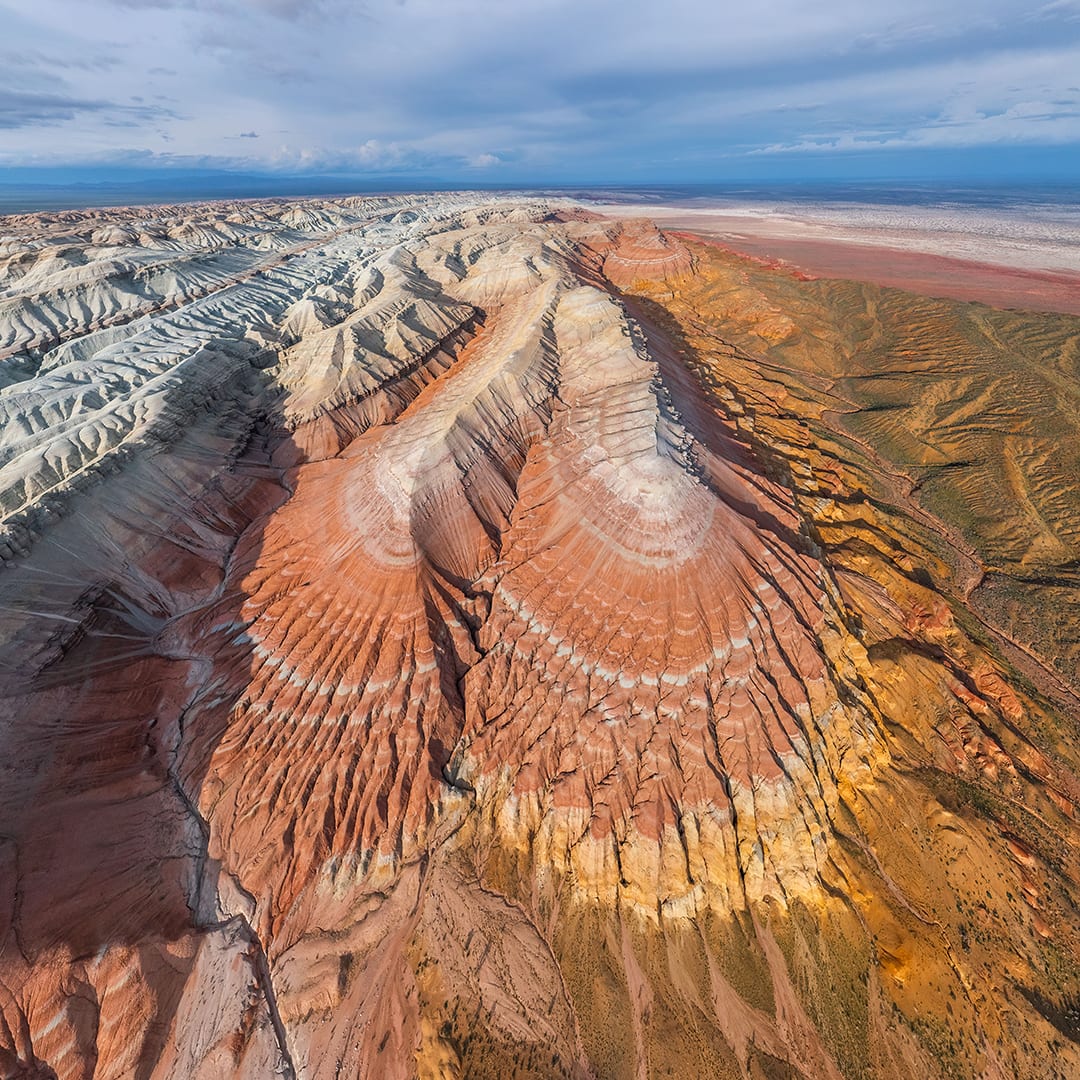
919	272
640	252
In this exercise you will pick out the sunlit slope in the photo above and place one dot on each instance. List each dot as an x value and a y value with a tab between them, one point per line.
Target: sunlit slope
969	413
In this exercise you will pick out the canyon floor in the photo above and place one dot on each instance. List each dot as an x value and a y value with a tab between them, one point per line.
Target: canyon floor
469	636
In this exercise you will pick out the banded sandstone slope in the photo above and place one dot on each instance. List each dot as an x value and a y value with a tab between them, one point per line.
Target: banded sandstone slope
459	636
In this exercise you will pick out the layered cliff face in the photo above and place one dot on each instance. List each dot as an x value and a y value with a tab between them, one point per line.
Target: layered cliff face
460	637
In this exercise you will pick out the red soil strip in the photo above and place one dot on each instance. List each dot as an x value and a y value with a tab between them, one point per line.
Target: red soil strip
920	272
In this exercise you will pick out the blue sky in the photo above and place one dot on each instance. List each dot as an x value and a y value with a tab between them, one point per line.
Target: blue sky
476	91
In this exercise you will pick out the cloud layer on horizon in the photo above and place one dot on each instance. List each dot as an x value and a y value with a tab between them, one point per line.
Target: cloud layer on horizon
538	88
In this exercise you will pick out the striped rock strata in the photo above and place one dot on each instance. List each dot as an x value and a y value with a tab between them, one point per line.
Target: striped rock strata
411	669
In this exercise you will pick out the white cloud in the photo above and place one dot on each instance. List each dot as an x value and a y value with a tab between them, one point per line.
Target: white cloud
552	85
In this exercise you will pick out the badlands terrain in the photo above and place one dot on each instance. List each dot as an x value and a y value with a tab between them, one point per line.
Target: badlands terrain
472	637
1025	256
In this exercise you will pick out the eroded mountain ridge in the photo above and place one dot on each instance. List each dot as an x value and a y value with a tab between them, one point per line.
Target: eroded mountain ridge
459	636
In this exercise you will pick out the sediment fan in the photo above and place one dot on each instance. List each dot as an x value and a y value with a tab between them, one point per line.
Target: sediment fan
460	636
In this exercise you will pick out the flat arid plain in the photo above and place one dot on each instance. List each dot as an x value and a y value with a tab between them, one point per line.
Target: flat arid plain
477	636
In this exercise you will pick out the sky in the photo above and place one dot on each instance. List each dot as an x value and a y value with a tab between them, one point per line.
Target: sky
540	91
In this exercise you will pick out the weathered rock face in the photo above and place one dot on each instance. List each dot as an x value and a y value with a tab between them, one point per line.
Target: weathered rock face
464	637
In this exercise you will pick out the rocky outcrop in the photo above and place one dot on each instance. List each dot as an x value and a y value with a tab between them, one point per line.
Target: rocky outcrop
459	636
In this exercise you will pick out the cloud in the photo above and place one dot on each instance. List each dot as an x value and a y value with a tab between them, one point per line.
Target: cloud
375	154
559	88
36	59
282	9
1008	99
20	109
1068	9
1031	123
